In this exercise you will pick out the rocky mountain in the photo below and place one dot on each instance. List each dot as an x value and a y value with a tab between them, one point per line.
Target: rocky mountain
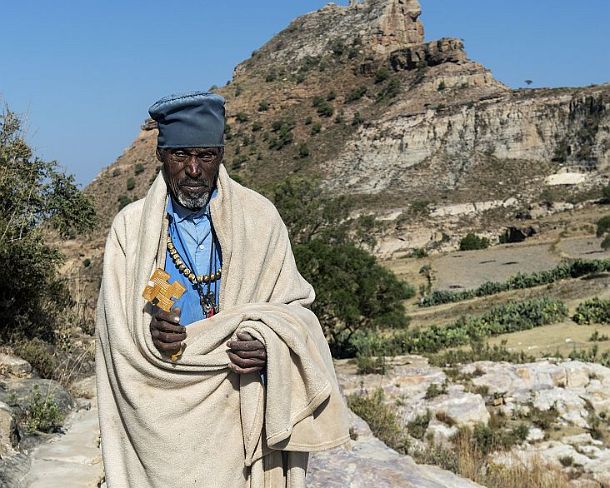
414	132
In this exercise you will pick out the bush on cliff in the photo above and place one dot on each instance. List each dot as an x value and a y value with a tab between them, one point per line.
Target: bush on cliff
35	196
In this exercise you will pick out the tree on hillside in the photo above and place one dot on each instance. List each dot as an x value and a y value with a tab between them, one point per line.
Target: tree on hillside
353	292
35	197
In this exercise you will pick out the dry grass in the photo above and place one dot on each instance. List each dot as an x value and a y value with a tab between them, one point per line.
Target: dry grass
535	474
550	339
468	461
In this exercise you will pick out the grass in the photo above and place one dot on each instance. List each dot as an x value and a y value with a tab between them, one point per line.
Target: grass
42	414
382	419
547	340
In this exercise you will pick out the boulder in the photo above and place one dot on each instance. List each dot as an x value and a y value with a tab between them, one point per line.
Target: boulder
14	366
369	462
19	393
535	434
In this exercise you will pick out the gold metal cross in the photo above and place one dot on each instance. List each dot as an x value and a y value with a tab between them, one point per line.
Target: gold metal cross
161	292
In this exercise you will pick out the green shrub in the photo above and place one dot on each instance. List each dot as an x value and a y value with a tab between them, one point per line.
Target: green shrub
271	76
35	196
597	337
325	109
382	74
316	128
382	419
40	355
435	390
357	120
263	106
391	90
473	242
303	150
131	183
441	86
356	94
42	414
603	226
353	292
593	311
418	426
331	96
283	135
256	126
338	47
139	168
241	117
123	200
419	253
605	244
368	364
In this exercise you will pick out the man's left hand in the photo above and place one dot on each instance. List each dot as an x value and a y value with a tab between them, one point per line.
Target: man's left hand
247	354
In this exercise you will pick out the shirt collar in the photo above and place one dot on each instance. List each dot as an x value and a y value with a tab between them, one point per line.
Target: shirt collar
178	213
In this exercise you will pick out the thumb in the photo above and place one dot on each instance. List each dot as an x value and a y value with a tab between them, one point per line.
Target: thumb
176	310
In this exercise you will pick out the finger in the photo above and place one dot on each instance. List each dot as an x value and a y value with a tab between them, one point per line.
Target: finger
245	336
245	363
167	347
246	345
168	327
257	354
172	316
168	337
239	370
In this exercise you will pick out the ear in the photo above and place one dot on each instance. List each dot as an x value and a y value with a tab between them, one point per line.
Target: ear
159	153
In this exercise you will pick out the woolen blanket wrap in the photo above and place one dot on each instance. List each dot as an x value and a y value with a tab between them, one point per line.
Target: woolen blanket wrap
194	422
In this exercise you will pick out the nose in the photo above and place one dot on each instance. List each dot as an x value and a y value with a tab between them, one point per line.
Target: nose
192	167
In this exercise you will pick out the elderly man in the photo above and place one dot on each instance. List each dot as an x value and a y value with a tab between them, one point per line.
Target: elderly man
234	385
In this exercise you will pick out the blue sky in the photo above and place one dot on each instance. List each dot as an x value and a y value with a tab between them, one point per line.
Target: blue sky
83	73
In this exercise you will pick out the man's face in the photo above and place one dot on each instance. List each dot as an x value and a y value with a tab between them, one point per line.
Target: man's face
190	173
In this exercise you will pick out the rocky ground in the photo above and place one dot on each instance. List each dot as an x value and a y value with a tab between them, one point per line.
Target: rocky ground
67	455
564	404
72	456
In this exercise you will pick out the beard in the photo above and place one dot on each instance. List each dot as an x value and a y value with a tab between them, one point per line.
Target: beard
192	202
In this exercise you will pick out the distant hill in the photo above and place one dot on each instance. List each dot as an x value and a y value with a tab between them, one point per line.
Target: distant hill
416	132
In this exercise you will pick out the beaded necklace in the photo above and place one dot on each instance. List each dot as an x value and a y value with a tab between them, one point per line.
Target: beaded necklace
207	299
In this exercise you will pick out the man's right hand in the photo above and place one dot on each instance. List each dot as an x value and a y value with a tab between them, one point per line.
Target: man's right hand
167	333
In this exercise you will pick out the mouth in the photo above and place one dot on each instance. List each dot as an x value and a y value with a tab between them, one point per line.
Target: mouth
194	187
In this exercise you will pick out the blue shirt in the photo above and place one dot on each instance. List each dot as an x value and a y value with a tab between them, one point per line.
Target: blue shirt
191	230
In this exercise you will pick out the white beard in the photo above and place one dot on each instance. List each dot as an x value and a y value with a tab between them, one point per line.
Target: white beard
193	203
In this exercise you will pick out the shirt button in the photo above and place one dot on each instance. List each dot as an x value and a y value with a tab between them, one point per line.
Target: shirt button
201	247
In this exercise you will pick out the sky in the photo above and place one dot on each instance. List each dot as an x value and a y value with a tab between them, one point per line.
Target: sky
83	73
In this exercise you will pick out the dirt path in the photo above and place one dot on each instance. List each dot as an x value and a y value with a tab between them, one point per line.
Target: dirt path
73	459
